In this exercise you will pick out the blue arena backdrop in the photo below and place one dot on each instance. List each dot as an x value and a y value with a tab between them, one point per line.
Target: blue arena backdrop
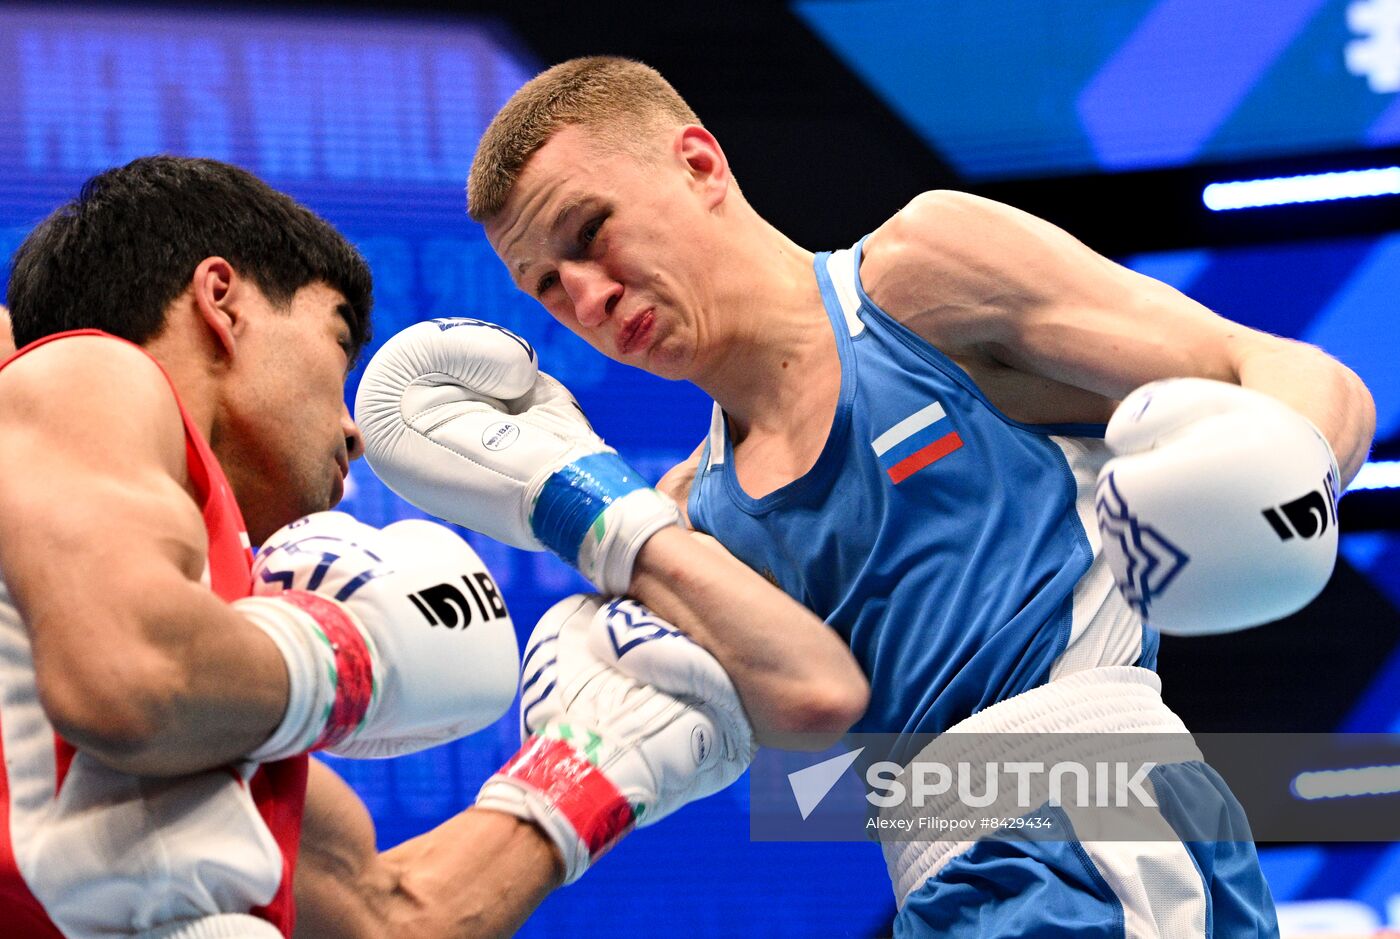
373	123
1024	88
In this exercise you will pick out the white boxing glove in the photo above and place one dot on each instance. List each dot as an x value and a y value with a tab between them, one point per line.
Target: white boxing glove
604	752
1219	508
458	420
634	640
394	639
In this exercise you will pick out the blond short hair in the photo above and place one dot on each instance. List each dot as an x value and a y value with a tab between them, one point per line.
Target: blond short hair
618	98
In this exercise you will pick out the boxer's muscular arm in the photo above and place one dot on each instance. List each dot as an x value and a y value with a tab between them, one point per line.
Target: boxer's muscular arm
137	662
783	656
794	673
799	683
980	278
478	874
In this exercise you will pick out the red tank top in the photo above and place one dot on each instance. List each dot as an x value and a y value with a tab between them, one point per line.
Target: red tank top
278	789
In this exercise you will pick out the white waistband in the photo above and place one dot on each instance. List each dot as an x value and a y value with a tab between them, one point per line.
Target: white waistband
1123	700
1111	699
222	926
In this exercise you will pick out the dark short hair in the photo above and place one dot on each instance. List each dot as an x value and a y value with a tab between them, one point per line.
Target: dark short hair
116	256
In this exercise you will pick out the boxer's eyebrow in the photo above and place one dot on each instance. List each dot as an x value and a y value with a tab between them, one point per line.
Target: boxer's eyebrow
569	207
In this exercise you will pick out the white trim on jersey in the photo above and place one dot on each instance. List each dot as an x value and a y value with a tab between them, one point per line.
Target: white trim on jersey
716	437
841	266
1104	630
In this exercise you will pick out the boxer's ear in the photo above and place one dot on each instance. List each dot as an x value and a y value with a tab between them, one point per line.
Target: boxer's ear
216	286
705	163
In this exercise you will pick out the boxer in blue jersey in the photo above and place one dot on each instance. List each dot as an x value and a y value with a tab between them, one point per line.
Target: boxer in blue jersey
907	437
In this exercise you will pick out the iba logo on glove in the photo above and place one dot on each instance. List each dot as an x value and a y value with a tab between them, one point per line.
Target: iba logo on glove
499	436
444	605
1305	517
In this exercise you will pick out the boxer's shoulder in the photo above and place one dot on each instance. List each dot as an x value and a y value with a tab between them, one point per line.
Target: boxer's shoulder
971	269
940	268
938	225
95	392
85	361
937	266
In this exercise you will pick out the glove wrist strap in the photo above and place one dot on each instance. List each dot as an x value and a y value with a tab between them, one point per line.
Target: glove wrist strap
609	553
330	671
574	498
596	512
566	788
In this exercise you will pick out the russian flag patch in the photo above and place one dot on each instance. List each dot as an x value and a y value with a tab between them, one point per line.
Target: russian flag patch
920	440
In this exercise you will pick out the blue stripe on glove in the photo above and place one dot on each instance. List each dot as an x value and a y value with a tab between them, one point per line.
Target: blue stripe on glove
575	496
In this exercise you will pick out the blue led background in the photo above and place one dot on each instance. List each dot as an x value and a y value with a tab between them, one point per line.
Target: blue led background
372	122
1033	88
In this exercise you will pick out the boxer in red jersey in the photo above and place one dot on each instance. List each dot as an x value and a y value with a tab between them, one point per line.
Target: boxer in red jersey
185	335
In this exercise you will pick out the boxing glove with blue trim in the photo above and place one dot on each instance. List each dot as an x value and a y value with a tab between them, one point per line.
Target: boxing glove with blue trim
458	420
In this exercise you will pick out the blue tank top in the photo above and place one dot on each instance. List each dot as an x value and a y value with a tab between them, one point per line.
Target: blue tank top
954	549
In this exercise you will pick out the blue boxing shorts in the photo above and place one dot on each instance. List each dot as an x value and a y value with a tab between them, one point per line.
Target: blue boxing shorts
1194	872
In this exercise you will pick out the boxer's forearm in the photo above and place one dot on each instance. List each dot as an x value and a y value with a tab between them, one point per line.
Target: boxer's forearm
195	686
1321	389
793	672
479	875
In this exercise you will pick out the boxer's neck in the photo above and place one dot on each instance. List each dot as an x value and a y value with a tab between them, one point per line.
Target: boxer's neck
190	358
769	338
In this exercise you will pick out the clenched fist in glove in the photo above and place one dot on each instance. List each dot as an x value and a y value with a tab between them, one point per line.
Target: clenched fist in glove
1219	508
606	749
394	639
458	420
